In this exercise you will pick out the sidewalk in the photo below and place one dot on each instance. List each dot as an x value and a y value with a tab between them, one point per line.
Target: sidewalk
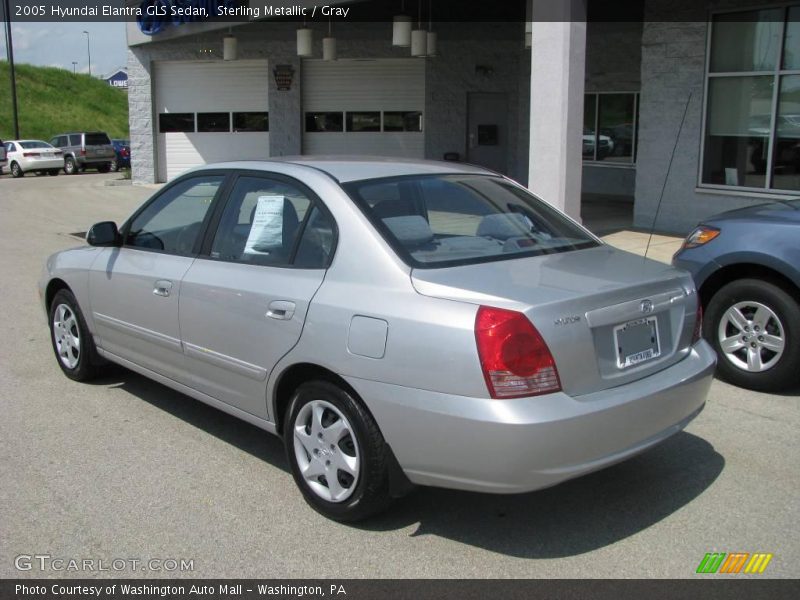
611	218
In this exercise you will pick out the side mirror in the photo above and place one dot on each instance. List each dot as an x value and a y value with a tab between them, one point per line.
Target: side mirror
104	233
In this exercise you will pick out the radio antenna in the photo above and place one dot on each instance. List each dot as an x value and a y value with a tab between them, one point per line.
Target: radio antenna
669	170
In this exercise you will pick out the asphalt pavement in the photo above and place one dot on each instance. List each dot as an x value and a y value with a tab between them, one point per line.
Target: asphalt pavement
125	469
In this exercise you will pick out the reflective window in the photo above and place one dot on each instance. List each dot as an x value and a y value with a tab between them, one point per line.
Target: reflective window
172	222
610	127
250	121
214	122
175	122
363	121
324	121
402	121
747	142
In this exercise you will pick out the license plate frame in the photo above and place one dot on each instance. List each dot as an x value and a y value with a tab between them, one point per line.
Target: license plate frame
631	342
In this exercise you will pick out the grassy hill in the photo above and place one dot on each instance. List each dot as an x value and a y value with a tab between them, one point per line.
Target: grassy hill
52	101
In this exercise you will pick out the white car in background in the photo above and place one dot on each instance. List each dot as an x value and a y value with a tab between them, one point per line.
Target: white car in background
33	155
3	161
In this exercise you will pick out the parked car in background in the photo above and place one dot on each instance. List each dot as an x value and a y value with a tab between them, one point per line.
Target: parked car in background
85	150
746	265
3	160
395	321
37	156
122	152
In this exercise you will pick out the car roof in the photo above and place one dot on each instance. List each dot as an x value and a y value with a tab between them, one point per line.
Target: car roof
354	168
27	140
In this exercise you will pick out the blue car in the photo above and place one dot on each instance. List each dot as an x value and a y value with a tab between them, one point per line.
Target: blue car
122	152
746	265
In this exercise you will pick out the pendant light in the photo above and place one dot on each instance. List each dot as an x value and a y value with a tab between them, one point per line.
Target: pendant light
305	42
329	45
419	37
229	46
401	29
431	38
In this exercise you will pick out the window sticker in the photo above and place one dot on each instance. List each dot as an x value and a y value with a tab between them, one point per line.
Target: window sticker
266	232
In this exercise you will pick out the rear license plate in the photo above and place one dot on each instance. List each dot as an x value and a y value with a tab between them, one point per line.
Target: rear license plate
637	342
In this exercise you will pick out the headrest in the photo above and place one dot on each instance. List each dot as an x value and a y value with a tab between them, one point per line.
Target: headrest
503	226
410	229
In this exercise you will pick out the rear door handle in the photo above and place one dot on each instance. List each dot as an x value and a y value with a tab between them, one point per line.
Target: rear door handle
281	310
162	287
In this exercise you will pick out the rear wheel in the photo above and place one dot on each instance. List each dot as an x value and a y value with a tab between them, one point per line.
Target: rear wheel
16	171
72	342
754	326
70	168
114	165
337	454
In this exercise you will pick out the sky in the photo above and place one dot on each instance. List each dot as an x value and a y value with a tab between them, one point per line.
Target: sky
58	44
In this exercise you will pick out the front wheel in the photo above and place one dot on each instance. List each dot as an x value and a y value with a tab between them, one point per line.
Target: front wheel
16	171
754	326
337	454
72	342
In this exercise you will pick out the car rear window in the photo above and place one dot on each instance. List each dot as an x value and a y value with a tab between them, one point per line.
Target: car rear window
97	139
444	220
34	144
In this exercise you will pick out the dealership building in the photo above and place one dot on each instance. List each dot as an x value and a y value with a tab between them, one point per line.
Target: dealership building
697	101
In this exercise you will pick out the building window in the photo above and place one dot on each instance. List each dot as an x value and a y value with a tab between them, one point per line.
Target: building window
250	121
216	122
363	121
176	122
610	127
752	105
402	121
324	121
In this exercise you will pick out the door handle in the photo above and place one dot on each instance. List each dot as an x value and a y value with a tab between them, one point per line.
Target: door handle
281	309
162	287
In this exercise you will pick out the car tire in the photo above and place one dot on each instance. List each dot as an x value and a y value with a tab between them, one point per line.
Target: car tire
328	431
71	339
53	172
16	171
70	168
754	326
104	168
114	165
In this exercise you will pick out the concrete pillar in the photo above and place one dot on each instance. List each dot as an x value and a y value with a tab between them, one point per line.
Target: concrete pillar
285	109
558	59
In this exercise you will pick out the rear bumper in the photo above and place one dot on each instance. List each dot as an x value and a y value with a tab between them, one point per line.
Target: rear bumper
42	164
511	446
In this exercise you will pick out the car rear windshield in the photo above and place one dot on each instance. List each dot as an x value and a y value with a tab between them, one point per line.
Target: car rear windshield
97	139
445	220
34	144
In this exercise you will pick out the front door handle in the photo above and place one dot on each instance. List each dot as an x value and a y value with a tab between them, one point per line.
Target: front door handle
162	287
281	310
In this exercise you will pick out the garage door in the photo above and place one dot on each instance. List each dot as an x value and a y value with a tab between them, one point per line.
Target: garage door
372	107
210	111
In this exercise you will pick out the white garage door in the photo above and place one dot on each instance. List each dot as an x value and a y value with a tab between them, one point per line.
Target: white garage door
372	107
210	111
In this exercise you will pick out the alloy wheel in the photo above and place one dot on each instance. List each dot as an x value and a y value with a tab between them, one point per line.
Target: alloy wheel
751	336
67	336
326	451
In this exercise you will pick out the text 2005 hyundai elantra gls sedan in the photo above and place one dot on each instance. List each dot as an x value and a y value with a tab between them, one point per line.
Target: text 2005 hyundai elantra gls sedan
394	321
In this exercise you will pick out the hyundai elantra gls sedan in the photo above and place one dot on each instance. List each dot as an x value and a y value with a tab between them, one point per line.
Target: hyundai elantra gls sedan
396	322
25	156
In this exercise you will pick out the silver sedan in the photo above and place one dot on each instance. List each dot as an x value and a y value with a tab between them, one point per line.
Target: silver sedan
396	322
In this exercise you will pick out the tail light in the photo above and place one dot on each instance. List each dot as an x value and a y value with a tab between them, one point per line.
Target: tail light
30	154
125	152
697	332
516	361
83	151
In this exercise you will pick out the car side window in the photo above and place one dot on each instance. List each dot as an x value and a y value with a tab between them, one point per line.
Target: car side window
75	140
10	147
316	244
172	222
261	222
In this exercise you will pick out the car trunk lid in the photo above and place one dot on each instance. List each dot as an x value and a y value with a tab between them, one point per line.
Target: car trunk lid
609	317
